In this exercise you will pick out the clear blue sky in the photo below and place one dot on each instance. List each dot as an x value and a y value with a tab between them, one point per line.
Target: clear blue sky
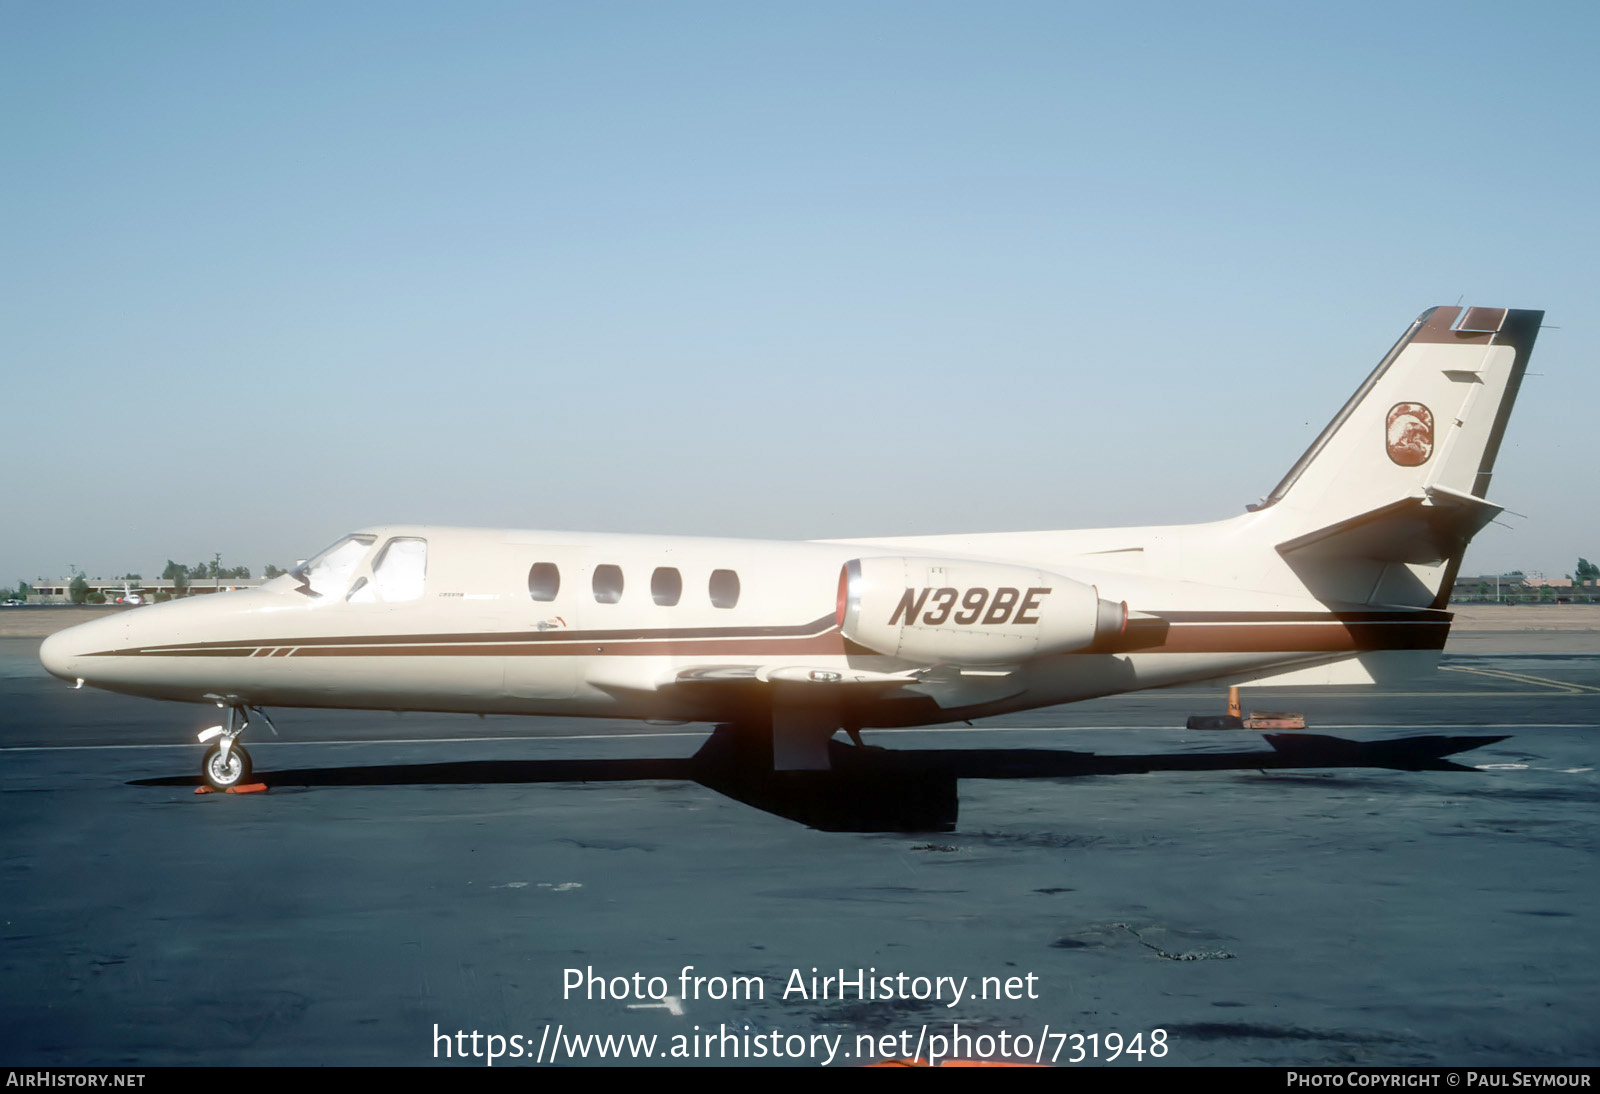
273	271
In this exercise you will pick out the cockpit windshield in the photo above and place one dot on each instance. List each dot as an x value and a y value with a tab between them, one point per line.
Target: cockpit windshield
328	573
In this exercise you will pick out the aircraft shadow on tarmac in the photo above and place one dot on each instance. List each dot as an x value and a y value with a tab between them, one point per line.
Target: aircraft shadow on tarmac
874	789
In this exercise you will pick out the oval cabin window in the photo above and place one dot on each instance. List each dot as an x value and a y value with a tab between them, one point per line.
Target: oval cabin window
607	584
666	586
724	588
544	581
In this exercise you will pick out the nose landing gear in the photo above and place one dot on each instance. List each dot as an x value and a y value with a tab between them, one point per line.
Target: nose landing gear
225	770
226	763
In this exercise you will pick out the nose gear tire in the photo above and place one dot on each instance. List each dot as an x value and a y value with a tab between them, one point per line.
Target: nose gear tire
224	776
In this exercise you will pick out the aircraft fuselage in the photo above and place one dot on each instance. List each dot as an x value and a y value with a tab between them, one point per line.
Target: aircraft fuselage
475	640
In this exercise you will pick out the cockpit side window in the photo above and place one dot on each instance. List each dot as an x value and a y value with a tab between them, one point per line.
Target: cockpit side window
400	568
329	572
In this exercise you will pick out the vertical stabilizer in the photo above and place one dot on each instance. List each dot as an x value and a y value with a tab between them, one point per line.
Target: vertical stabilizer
1382	504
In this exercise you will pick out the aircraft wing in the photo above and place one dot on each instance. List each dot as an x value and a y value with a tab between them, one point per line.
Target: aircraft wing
793	674
947	685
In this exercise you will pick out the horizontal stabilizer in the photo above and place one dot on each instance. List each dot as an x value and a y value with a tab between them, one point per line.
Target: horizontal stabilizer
1423	530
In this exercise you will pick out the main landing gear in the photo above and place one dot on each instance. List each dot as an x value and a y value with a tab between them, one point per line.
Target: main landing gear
226	763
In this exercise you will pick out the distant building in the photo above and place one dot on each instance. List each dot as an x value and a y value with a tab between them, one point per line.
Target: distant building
1489	587
58	590
1519	588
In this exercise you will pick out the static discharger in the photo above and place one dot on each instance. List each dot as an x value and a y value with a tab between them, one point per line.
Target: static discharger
1258	719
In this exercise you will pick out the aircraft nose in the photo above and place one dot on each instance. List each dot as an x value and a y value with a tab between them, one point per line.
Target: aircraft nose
67	653
60	654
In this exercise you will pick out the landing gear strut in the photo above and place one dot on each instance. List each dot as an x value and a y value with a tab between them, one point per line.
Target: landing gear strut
226	763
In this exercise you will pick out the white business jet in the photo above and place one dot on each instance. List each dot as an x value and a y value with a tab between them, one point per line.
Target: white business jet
1339	576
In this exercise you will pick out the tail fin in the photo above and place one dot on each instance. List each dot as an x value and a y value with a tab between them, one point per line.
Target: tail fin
1384	502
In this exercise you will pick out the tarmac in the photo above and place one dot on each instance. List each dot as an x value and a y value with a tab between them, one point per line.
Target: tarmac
1409	881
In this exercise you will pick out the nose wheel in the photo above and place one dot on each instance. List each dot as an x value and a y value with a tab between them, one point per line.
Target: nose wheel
224	771
226	763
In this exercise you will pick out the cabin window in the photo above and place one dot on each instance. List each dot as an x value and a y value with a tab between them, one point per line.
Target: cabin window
544	581
400	568
666	586
330	571
607	584
724	588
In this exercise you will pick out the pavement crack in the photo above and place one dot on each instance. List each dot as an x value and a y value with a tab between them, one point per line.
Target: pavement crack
1185	955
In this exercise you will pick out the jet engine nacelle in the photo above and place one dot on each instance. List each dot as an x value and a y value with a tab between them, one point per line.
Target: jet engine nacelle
954	612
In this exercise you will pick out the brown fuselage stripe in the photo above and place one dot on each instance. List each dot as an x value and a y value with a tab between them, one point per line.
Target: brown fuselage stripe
1418	616
555	636
823	644
1303	638
1388	631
